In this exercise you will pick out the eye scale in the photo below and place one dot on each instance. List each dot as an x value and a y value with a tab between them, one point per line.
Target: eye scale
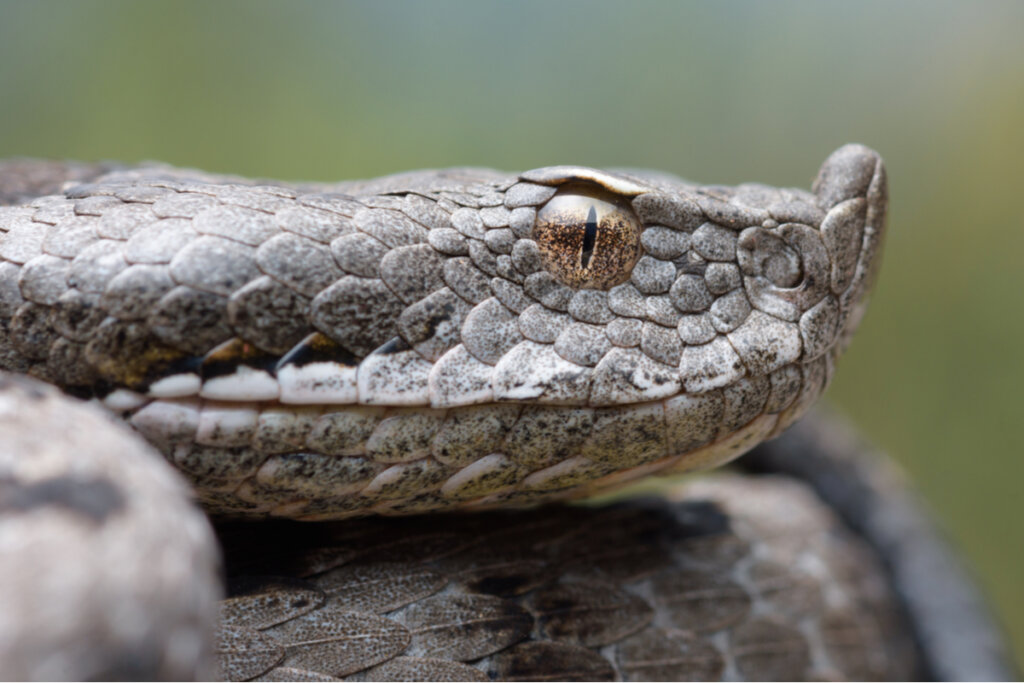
589	238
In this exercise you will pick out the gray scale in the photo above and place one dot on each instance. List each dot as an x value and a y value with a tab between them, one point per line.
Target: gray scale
448	351
76	315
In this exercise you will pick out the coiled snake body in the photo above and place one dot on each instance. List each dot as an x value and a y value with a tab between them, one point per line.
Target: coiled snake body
449	341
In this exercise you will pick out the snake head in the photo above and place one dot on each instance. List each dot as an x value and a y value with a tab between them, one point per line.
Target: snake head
676	288
441	338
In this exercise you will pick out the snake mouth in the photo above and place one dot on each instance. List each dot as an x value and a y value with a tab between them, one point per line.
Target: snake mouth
722	284
327	462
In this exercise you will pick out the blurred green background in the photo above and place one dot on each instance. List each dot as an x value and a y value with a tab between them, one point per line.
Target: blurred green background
723	92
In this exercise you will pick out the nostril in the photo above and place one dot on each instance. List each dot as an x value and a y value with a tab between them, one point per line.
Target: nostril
783	268
764	253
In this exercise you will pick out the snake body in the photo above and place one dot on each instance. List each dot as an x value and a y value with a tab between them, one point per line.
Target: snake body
465	340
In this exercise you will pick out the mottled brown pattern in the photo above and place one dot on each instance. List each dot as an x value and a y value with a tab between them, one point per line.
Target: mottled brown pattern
560	234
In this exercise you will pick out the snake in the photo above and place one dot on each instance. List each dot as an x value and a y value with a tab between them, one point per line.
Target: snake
384	356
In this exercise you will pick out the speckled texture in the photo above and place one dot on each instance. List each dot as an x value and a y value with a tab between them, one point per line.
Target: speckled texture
732	578
198	305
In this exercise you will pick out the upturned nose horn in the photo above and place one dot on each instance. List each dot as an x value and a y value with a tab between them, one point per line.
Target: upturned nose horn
851	171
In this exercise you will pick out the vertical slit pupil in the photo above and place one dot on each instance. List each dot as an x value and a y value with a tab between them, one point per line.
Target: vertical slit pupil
589	237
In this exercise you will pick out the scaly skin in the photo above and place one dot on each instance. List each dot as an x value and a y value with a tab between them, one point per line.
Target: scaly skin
143	286
107	572
439	340
408	344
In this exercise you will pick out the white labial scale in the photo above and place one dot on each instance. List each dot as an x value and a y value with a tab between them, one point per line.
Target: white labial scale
534	371
226	425
459	379
629	376
168	421
122	400
710	366
244	384
175	386
322	382
394	379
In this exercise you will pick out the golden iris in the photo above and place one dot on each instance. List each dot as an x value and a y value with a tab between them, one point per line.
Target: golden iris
588	238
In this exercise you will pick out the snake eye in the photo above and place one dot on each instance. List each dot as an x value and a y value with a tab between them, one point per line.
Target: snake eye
588	238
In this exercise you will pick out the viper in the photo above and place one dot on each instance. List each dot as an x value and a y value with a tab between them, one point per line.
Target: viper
422	364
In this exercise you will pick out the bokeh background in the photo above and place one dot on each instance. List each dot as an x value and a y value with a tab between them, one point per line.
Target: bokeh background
719	92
